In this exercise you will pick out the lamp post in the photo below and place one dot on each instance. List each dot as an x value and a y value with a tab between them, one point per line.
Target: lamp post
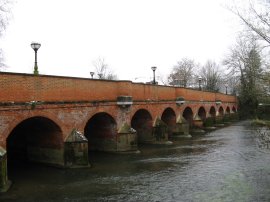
35	47
200	81
99	76
226	86
92	74
154	76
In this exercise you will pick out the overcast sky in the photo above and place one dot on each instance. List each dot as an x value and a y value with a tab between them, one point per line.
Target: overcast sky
132	35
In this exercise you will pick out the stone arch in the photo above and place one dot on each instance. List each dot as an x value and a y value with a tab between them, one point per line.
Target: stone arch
18	119
233	109
169	117
227	110
212	112
142	122
220	111
202	113
36	139
188	115
101	132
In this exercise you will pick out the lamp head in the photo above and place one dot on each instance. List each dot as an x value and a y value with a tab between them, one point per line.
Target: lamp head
154	68
35	45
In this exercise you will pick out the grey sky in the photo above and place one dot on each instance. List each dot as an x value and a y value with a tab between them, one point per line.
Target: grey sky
132	35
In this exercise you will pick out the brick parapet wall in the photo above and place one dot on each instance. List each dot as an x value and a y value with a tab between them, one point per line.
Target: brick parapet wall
17	87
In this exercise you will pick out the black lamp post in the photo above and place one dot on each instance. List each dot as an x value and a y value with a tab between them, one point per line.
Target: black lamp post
35	47
100	76
200	81
154	76
226	86
92	74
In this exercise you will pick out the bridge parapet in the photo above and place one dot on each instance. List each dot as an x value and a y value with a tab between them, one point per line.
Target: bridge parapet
17	87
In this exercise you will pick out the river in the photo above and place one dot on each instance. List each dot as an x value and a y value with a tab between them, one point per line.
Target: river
223	165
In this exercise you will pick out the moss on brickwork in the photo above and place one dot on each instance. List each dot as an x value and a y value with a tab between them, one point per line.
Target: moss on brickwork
160	130
4	182
125	128
76	154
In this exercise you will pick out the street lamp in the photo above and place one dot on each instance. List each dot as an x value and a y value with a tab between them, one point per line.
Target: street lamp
154	76
226	86
92	74
100	76
35	47
200	81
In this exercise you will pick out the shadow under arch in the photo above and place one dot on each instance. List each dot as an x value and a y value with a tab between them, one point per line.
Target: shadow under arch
169	117
142	122
202	113
101	132
227	110
36	139
220	111
188	115
212	112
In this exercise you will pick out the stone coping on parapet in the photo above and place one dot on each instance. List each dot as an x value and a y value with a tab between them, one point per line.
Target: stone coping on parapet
11	103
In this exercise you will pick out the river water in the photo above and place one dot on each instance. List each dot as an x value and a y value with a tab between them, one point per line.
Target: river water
224	165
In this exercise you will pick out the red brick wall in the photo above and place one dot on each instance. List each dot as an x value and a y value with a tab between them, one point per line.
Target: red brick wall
24	87
27	87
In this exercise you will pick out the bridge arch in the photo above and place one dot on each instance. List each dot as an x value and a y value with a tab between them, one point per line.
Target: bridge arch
212	112
227	110
101	132
142	122
188	115
202	113
36	139
169	117
220	111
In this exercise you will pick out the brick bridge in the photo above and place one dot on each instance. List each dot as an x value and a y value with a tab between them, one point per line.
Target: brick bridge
55	120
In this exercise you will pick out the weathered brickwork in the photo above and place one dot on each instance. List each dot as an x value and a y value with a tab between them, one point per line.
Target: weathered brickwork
25	88
71	102
39	114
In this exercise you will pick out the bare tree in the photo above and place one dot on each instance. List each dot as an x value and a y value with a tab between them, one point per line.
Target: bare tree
233	83
2	64
182	73
256	17
5	10
102	69
211	76
245	63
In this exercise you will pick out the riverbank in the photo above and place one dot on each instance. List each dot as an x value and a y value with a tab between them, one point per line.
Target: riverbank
262	128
